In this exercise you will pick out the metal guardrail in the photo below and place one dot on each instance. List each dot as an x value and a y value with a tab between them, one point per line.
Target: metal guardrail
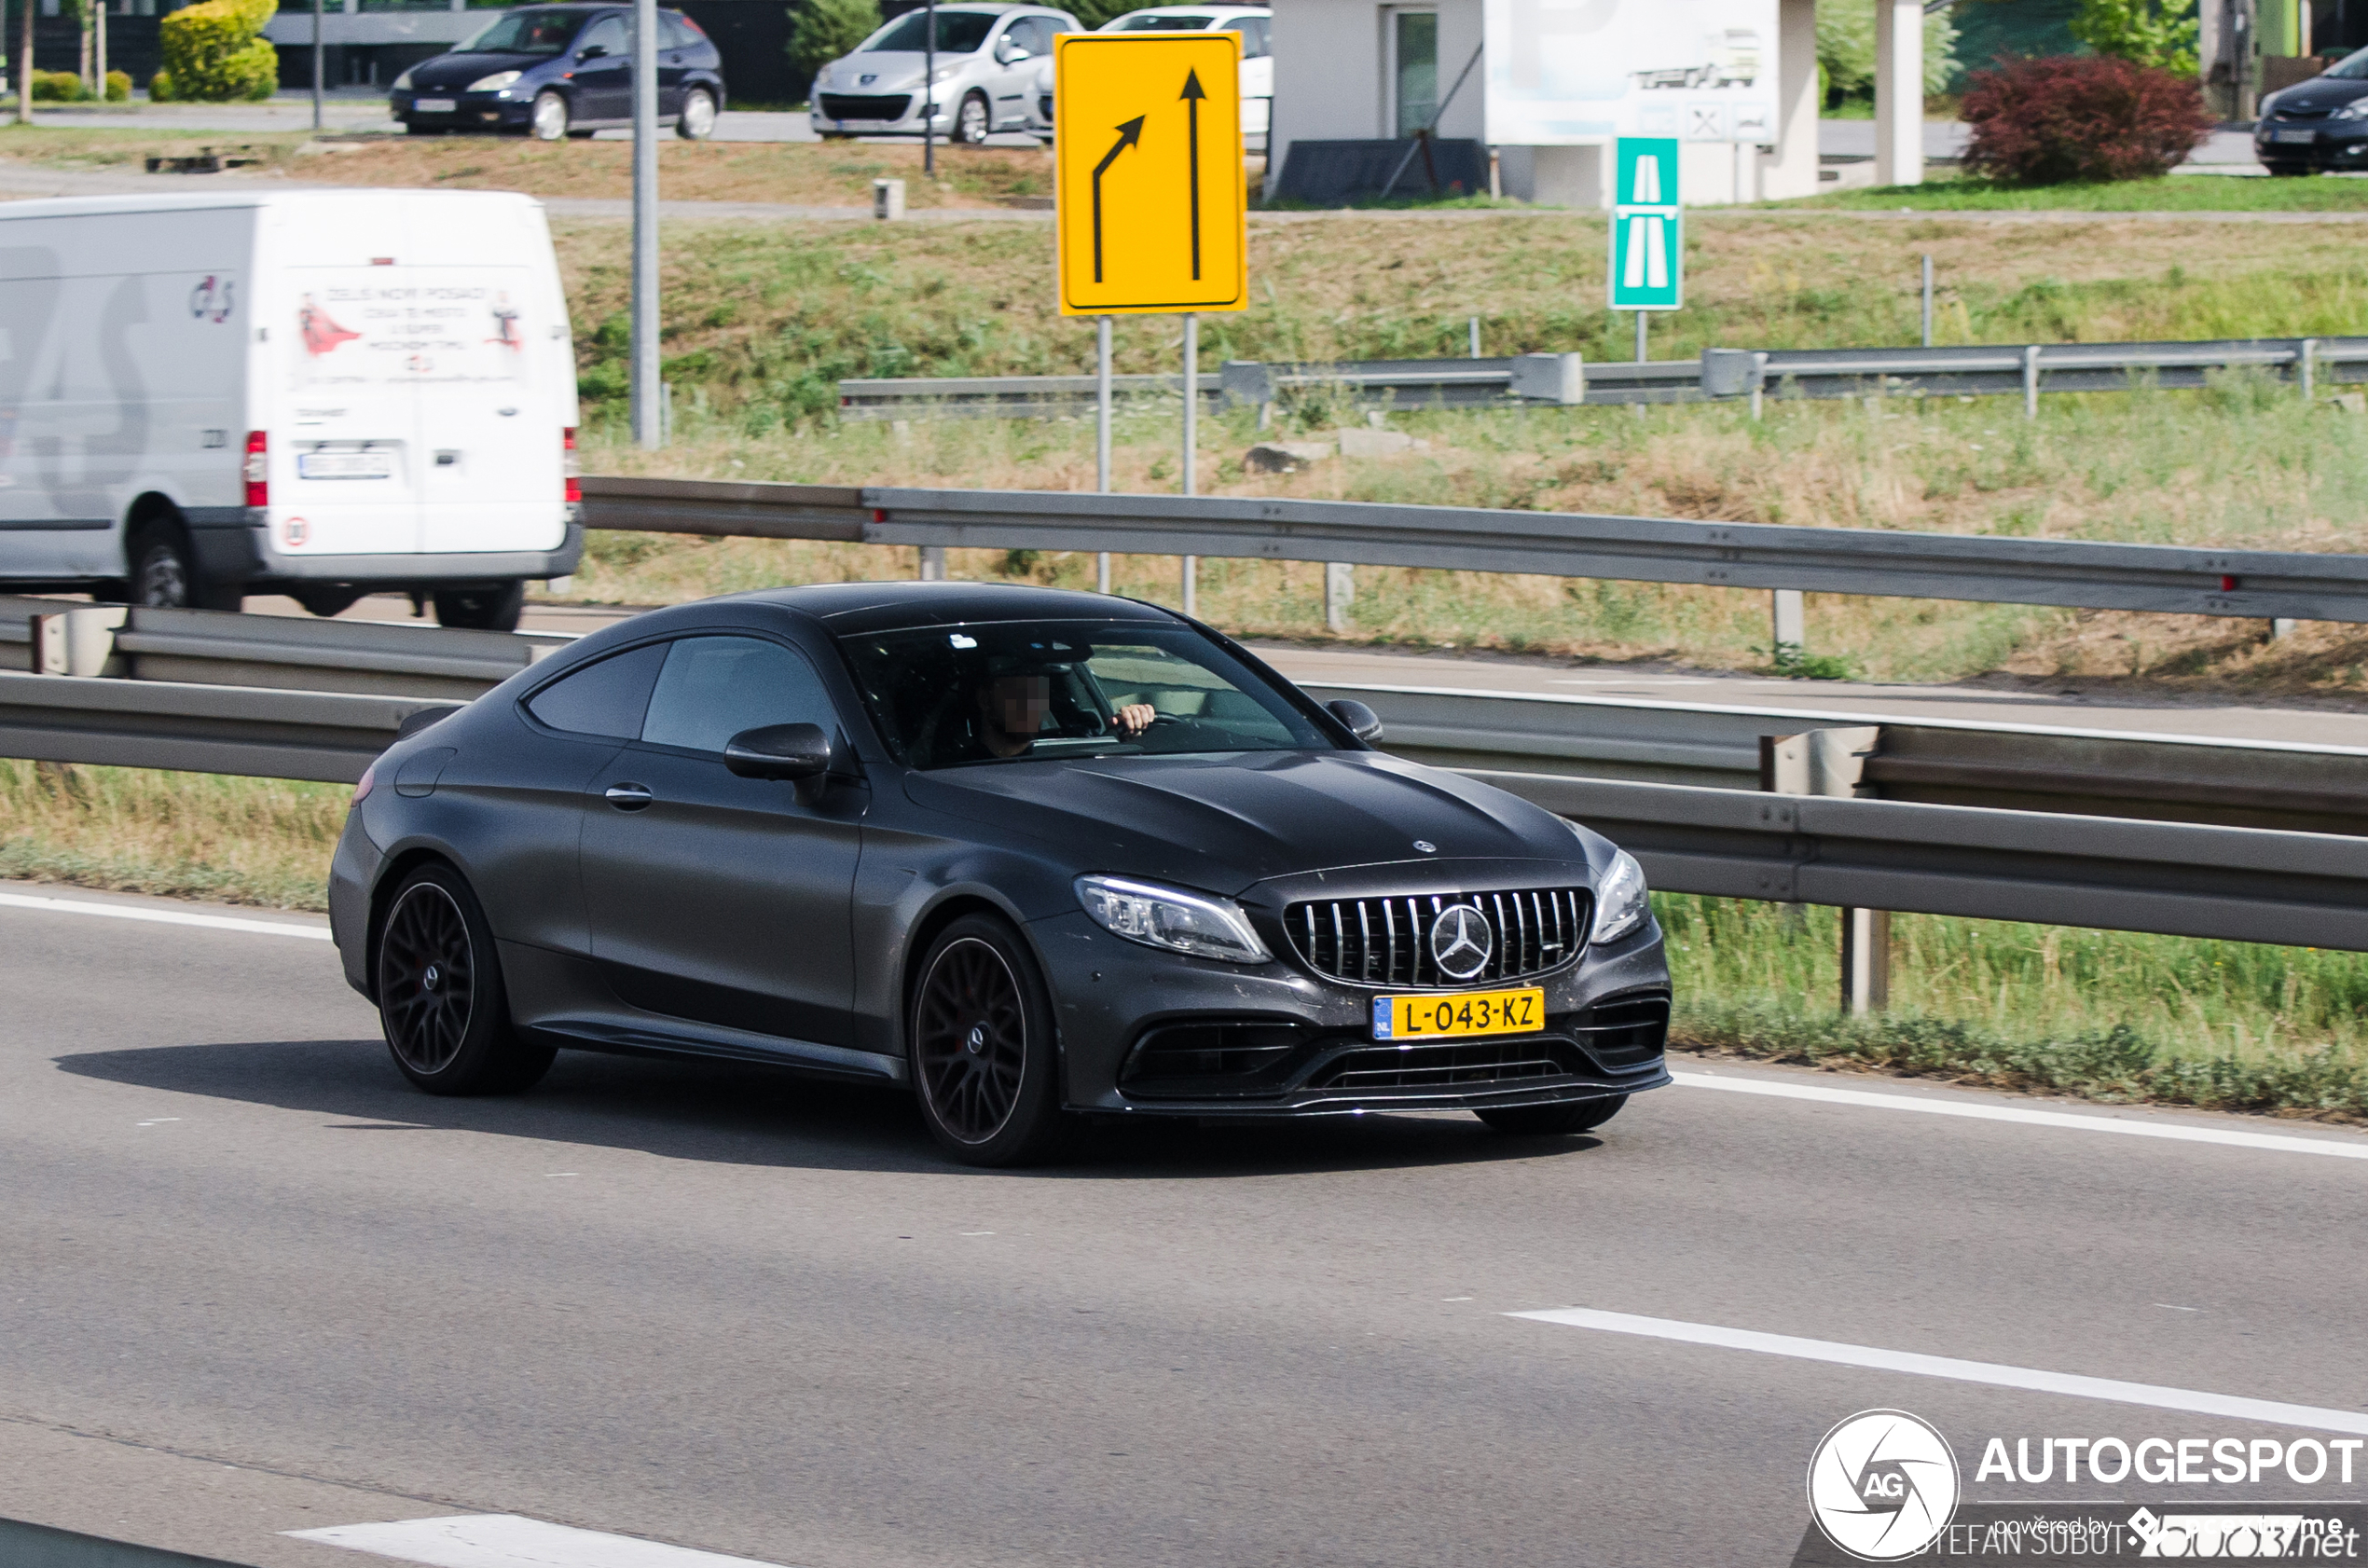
258	732
1973	370
2169	578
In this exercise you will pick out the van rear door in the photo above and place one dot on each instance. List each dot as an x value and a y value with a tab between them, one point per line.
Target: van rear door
346	466
493	474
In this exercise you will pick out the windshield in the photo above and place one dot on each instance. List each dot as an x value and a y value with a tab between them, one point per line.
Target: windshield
2352	68
957	33
1142	24
948	696
526	33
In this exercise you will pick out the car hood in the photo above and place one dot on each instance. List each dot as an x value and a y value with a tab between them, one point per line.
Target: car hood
2318	95
459	69
1223	824
895	68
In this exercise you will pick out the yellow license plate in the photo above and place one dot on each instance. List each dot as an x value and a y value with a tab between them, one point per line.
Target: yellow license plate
1459	1013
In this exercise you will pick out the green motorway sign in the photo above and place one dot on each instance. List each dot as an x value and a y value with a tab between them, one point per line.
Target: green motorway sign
1647	267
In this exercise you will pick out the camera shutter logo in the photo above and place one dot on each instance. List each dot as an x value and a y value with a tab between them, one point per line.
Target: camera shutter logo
1461	942
1882	1485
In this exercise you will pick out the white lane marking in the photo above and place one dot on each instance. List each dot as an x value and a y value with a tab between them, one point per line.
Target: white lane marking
2337	1148
162	917
514	1541
2193	1400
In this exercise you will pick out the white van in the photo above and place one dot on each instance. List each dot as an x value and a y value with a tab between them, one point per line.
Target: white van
315	392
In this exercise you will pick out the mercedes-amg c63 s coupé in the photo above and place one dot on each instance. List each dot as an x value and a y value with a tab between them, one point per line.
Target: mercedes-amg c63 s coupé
1034	855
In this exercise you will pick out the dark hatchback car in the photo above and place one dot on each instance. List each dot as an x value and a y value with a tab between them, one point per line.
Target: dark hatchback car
1028	853
554	71
2320	124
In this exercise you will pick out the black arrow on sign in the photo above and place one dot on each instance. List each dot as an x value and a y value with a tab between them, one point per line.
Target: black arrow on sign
1128	136
1193	96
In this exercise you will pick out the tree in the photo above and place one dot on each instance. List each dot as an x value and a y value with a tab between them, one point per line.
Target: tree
820	30
2156	32
1846	48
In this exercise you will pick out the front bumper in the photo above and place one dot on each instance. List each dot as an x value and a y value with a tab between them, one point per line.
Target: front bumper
907	124
471	111
1273	1041
2333	144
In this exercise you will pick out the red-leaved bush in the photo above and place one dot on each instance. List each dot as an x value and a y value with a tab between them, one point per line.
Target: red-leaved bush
2066	117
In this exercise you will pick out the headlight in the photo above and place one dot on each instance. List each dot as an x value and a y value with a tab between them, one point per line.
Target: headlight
2356	109
493	83
945	72
1170	918
403	83
1620	904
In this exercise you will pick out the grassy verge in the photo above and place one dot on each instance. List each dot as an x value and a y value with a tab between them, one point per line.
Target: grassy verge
2092	1013
2173	193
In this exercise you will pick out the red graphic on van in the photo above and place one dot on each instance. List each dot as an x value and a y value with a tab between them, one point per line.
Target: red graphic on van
506	325
213	299
321	331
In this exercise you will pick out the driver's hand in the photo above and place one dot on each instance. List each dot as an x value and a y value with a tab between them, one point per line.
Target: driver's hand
1134	718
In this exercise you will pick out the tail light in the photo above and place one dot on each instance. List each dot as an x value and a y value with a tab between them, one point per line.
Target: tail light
362	790
258	470
571	465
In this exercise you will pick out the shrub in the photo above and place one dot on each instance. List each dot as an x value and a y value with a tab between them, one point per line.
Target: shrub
119	86
213	53
59	87
820	30
2072	117
160	88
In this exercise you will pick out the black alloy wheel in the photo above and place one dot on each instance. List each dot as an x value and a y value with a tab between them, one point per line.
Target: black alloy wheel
441	1000
983	1056
1570	1116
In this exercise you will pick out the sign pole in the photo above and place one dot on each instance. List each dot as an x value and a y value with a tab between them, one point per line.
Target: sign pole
929	94
648	418
1192	441
316	58
1641	319
1102	436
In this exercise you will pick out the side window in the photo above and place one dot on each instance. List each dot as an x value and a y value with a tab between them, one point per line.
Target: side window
714	687
605	698
1034	34
608	34
1253	32
674	33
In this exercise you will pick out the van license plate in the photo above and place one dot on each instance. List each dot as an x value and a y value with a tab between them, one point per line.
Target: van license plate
435	105
345	465
1464	1013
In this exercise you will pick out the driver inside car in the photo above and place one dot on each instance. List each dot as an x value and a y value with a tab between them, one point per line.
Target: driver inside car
1012	710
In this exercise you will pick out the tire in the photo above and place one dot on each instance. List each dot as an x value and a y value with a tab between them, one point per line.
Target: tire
326	602
547	122
985	1066
163	572
441	1000
2289	170
696	122
413	129
1570	1116
495	608
974	122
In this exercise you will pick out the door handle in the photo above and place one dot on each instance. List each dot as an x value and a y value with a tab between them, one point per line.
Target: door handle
630	797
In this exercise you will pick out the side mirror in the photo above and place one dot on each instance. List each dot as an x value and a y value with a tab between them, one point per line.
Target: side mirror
592	51
1009	53
1362	721
798	753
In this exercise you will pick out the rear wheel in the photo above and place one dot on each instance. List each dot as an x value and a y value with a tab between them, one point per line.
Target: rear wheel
441	1000
164	573
548	119
1571	1116
973	120
984	1064
494	607
697	122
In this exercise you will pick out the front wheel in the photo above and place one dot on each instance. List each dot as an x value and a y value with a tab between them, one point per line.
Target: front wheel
697	122
494	608
548	119
1571	1116
973	120
984	1065
441	1000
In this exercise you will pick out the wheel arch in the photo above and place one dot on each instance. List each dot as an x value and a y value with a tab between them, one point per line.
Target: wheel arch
148	509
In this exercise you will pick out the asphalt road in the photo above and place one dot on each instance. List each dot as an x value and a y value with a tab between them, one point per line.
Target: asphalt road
254	1284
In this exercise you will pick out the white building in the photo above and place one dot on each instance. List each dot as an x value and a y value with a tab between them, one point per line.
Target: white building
1351	69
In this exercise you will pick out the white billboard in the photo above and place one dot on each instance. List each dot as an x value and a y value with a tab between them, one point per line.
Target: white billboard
1563	73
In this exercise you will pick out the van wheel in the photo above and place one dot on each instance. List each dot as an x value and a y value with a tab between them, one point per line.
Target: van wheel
697	122
550	116
164	573
494	607
326	602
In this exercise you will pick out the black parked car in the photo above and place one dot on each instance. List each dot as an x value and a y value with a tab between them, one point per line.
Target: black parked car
2318	124
1030	853
558	71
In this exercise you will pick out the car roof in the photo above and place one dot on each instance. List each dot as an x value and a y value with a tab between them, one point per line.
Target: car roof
859	607
1194	10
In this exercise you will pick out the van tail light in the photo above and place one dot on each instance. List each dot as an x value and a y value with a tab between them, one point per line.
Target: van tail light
571	465
258	470
362	790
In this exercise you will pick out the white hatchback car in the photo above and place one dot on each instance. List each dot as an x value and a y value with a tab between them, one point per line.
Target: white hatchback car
1258	63
987	56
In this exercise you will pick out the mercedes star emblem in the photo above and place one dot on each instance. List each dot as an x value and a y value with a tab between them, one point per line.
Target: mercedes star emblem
1461	942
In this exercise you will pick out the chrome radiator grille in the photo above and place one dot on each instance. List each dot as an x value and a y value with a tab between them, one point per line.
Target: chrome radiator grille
1386	941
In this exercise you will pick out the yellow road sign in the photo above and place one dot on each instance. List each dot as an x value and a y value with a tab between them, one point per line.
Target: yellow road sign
1152	206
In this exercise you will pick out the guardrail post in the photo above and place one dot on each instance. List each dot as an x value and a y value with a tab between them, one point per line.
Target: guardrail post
77	642
1340	593
1789	628
1759	381
2305	352
933	563
1831	762
2030	382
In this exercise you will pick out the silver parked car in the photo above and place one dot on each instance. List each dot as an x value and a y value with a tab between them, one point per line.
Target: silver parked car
988	55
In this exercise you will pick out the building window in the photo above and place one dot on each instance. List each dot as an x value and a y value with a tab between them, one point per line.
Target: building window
1414	38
